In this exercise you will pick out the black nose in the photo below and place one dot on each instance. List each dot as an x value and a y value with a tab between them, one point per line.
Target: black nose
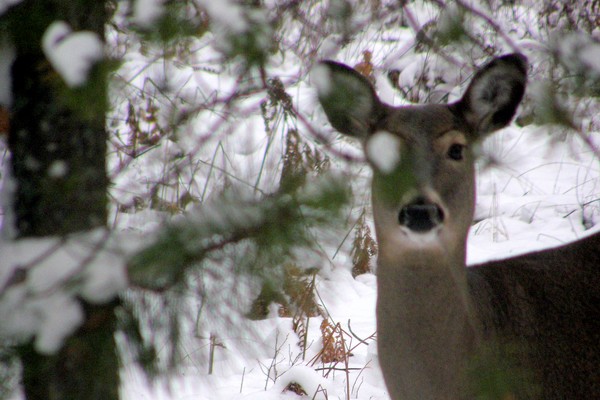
421	216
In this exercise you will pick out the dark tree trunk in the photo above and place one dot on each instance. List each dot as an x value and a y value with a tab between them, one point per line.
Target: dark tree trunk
58	141
48	135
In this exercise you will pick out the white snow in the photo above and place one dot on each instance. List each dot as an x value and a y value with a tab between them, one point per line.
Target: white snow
226	14
146	12
58	169
321	79
590	56
58	315
72	54
383	151
532	200
315	386
580	53
42	278
49	317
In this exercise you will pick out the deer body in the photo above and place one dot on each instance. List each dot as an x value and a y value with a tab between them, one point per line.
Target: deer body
548	301
533	319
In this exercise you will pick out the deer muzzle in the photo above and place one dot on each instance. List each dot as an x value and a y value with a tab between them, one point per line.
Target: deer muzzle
421	216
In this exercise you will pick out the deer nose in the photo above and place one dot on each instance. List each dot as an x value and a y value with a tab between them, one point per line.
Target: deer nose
421	215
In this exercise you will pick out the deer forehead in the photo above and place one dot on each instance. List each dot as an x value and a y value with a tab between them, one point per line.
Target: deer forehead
430	127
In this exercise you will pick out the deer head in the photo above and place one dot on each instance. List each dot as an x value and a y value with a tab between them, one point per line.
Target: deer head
422	156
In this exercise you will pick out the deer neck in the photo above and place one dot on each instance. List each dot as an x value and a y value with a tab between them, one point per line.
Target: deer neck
425	323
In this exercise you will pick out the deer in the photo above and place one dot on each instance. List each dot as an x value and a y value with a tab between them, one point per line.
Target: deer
533	319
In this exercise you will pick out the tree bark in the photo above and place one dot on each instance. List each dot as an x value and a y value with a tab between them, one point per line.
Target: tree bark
57	140
58	153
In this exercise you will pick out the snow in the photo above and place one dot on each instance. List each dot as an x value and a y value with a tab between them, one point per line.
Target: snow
58	169
590	56
146	12
310	380
58	315
383	151
72	54
51	317
226	14
536	197
321	79
41	280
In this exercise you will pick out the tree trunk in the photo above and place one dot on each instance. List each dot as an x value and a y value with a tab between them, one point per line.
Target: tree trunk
58	153
58	142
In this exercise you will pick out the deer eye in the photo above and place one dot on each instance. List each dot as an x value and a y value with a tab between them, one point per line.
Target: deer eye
456	151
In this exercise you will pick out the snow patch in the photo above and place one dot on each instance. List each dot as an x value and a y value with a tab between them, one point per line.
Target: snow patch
60	315
58	169
147	12
580	53
226	14
321	79
72	54
103	282
383	151
42	280
50	318
315	386
591	57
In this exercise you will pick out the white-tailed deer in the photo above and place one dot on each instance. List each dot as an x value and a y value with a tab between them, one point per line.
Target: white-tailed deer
531	322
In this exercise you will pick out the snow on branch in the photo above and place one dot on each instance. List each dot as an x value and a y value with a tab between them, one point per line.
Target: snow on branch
72	54
42	280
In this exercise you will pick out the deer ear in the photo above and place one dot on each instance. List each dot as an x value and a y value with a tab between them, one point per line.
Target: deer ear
348	98
494	94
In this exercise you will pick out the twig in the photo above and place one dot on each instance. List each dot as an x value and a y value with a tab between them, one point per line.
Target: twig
358	376
497	28
589	143
363	341
242	383
339	369
415	27
273	366
321	138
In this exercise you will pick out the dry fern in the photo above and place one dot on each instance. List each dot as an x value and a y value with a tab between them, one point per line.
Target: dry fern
364	248
334	348
295	388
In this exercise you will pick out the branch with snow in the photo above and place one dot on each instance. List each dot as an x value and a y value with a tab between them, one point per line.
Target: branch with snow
42	280
72	54
274	224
